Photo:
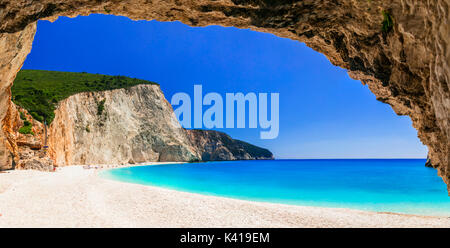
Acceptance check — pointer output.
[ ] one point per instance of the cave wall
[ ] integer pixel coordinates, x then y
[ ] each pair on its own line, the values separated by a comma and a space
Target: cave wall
404, 64
14, 48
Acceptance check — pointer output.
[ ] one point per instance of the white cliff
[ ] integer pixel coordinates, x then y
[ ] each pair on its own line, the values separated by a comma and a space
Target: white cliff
136, 125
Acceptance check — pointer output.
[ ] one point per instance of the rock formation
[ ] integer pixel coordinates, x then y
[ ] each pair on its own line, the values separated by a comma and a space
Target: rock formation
28, 151
133, 125
14, 47
136, 125
217, 146
400, 49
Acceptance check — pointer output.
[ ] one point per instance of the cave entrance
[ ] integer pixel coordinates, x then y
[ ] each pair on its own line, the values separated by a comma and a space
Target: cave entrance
323, 113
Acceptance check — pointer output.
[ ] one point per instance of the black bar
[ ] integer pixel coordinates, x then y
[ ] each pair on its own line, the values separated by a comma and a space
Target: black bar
227, 237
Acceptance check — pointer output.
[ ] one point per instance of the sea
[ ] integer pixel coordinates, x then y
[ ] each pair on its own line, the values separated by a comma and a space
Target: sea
381, 185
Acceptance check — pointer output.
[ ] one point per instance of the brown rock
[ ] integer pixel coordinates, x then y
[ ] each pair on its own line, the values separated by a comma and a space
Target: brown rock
32, 146
45, 164
26, 149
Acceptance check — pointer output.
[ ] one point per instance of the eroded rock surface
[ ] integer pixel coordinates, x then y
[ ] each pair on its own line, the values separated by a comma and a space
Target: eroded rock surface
14, 47
404, 64
27, 150
136, 125
218, 146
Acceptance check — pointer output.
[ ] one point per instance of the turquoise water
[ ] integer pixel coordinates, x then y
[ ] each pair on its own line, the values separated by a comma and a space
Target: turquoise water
391, 185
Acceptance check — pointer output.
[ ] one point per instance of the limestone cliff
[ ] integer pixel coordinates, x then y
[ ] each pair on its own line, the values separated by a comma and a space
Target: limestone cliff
134, 125
400, 49
216, 146
131, 125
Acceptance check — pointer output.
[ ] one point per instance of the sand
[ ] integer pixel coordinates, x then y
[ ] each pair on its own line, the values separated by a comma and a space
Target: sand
78, 197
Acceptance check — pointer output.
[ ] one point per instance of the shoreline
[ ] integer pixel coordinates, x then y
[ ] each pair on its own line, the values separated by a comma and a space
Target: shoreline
77, 197
247, 200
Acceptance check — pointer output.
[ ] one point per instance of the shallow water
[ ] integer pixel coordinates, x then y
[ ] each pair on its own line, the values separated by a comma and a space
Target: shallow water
385, 185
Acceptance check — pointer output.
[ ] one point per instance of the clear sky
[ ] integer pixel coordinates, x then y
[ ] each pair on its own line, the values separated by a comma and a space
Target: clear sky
323, 113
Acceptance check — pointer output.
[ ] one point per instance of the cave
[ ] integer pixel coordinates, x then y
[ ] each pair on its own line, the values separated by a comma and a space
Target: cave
400, 49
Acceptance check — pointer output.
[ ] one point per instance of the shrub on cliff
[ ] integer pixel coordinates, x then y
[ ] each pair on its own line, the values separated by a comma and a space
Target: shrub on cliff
101, 107
388, 22
26, 128
22, 116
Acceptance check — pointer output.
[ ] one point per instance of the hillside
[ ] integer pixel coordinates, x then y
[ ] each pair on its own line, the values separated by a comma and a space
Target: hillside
216, 146
40, 91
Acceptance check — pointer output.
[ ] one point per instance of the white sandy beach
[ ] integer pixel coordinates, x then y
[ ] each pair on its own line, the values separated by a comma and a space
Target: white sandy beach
77, 197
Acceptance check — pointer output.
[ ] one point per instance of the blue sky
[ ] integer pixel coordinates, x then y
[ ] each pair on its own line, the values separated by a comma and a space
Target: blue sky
323, 113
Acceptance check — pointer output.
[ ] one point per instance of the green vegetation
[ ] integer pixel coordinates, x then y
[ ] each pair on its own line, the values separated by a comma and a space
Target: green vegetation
388, 22
40, 91
27, 128
22, 116
101, 107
